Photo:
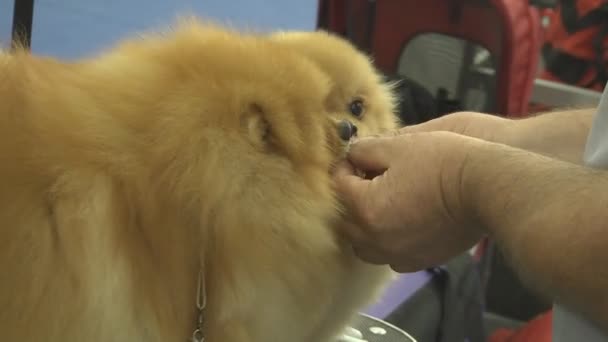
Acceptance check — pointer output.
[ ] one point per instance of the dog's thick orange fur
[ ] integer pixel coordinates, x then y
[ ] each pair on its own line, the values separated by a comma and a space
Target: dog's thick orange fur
121, 175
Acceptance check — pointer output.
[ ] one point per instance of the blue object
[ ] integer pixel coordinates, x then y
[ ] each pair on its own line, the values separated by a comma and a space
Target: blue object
78, 28
398, 292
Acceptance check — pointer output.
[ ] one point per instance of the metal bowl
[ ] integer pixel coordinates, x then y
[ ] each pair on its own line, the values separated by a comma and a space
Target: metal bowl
376, 330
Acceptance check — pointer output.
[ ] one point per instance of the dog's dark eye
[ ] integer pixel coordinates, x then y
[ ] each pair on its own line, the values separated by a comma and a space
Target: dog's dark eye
356, 108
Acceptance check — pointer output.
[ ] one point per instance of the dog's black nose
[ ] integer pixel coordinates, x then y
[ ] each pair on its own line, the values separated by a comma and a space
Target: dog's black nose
346, 130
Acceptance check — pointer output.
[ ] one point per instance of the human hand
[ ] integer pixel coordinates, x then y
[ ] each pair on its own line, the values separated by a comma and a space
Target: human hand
412, 215
477, 125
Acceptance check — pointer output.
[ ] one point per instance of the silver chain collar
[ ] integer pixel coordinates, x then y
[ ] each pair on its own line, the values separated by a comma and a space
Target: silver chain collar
201, 302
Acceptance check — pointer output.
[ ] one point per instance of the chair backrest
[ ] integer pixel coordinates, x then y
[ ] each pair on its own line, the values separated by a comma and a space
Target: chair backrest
484, 53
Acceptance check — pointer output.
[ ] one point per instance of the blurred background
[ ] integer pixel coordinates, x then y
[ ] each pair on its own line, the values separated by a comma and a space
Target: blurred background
75, 28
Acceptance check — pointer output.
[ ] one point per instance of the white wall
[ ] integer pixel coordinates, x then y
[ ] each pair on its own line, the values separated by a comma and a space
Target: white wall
76, 28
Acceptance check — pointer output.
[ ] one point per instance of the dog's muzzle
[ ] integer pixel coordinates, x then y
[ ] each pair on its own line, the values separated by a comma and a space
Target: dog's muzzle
346, 130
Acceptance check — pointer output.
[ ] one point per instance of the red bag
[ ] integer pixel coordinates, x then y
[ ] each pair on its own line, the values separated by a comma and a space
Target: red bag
575, 46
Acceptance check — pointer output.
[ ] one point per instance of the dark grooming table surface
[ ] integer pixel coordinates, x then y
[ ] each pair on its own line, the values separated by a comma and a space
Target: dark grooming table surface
376, 330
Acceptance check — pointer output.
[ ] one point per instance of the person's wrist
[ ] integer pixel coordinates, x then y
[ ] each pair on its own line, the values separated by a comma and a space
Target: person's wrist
473, 176
487, 127
457, 184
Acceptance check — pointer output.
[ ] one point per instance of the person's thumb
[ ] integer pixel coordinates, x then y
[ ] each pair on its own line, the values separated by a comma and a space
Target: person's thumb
373, 155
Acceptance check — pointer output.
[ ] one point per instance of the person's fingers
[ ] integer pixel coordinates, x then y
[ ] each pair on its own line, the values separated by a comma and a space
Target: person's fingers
351, 231
345, 173
428, 126
343, 168
370, 256
456, 122
372, 154
404, 267
353, 189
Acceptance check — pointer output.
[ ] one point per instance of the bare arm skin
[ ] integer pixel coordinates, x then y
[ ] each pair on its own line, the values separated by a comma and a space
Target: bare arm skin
560, 135
550, 218
437, 193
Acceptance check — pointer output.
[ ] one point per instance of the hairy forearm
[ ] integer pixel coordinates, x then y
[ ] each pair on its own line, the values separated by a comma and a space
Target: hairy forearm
549, 217
560, 135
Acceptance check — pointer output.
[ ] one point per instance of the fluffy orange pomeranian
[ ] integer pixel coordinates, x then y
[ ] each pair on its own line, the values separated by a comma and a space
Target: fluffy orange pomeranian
179, 186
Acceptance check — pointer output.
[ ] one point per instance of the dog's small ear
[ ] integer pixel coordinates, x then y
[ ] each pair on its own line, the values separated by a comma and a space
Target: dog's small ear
256, 125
